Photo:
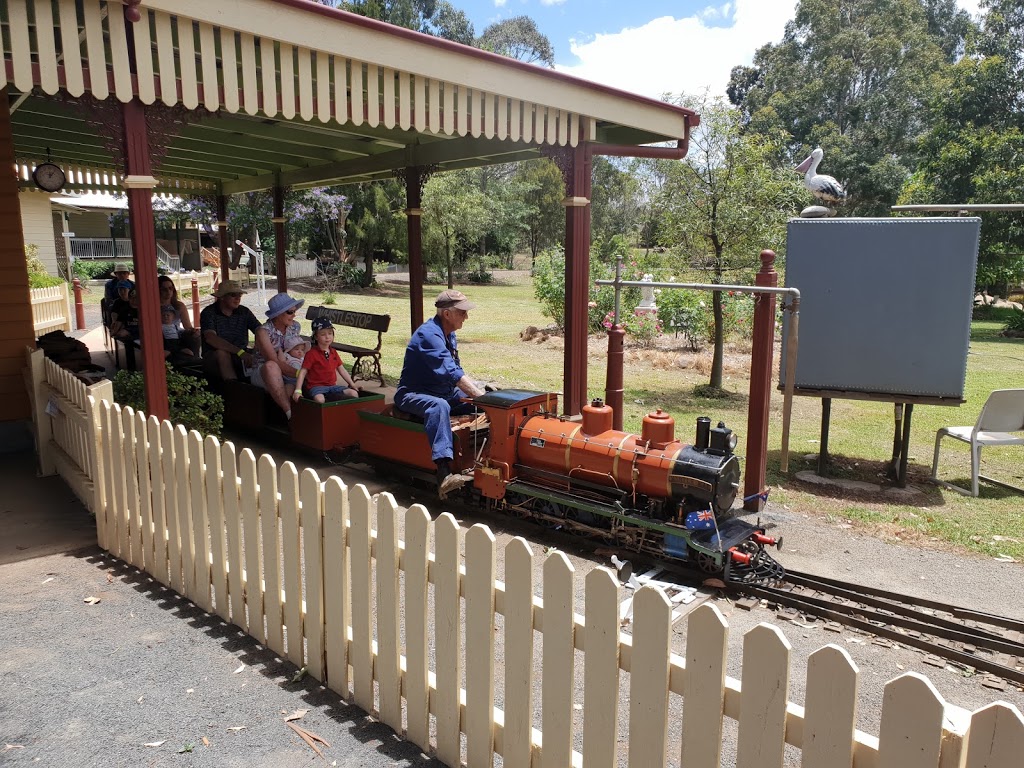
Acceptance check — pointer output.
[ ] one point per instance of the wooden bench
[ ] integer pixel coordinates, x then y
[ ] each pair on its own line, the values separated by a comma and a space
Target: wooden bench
367, 360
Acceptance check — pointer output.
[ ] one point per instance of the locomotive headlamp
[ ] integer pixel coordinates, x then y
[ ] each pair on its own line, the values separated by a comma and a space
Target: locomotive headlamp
723, 441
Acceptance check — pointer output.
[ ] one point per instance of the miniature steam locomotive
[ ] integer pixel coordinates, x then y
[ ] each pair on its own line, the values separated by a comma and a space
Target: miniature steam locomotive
646, 493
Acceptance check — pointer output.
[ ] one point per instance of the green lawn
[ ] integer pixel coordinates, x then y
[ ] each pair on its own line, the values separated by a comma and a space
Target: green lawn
861, 432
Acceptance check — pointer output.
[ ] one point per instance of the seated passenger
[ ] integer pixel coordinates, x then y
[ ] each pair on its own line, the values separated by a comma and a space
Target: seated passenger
271, 371
433, 383
121, 273
169, 297
124, 313
322, 371
295, 349
174, 348
124, 321
225, 326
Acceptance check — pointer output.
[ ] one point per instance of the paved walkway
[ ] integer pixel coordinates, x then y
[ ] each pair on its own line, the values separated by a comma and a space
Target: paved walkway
142, 677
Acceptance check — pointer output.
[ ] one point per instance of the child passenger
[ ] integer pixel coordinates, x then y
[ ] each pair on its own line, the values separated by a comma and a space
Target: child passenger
295, 349
322, 372
174, 350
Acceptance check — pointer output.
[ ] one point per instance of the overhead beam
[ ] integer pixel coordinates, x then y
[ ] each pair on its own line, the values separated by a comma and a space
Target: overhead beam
438, 153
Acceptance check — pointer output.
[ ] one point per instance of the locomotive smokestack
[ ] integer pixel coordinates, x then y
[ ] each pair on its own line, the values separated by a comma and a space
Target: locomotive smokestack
703, 433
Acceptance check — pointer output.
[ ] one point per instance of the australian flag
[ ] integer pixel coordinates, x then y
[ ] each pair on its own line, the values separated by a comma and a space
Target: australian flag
700, 521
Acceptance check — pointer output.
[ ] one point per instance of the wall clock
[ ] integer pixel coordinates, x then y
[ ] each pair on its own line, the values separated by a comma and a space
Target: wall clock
48, 176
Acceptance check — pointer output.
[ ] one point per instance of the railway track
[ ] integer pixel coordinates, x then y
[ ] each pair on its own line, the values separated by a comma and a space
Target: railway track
974, 639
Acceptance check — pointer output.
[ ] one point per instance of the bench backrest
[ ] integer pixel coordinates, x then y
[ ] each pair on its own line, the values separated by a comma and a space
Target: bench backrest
351, 319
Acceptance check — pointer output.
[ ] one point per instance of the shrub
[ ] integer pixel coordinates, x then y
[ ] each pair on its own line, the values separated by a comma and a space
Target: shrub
327, 298
644, 328
38, 277
549, 284
93, 270
190, 402
1015, 324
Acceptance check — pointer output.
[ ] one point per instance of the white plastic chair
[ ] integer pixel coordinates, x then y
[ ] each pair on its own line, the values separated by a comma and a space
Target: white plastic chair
1002, 414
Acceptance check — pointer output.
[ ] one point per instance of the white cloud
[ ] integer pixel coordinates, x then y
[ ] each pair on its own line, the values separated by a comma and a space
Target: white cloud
500, 3
668, 55
551, 2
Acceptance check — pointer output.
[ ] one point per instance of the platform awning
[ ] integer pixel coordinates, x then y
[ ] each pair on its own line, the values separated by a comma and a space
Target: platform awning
250, 94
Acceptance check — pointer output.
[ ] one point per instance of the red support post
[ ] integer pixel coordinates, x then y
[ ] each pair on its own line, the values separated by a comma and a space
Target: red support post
139, 182
413, 219
79, 306
760, 385
613, 379
577, 279
222, 235
279, 241
195, 303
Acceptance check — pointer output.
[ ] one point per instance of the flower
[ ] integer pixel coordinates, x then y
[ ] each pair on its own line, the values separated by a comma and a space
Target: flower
592, 304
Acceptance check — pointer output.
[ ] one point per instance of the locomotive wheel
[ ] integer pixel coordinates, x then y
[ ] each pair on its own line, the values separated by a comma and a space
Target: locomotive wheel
706, 562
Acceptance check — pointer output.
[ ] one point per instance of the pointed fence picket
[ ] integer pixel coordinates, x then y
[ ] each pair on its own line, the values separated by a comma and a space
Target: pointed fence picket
298, 564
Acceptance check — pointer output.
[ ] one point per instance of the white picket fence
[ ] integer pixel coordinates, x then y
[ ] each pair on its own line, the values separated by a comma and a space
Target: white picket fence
183, 280
51, 309
296, 268
65, 420
317, 572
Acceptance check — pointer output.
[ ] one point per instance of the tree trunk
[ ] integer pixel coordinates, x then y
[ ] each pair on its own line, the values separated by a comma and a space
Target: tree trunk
368, 272
716, 358
448, 261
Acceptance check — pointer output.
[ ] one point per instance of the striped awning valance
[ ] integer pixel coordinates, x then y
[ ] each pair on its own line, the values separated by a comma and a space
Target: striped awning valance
266, 58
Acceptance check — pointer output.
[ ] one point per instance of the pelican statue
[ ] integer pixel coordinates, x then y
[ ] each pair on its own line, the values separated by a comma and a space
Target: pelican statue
822, 187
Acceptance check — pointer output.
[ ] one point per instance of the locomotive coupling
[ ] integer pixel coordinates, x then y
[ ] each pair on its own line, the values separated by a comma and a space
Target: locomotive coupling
768, 541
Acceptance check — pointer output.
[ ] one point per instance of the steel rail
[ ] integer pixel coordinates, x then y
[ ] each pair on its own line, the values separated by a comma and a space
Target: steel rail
953, 654
807, 579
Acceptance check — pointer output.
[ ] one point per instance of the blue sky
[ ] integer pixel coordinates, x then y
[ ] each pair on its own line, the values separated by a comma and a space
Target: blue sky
650, 46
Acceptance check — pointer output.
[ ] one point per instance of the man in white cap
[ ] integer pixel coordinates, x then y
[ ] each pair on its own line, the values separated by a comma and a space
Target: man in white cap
225, 327
433, 384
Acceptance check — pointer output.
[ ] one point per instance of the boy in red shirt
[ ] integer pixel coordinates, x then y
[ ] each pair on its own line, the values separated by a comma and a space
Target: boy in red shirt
322, 370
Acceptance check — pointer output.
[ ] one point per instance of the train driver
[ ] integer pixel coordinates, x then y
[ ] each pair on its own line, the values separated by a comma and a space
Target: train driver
433, 383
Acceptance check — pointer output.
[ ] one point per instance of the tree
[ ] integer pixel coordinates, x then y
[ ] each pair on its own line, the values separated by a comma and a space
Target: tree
452, 24
455, 211
411, 14
972, 152
613, 200
854, 77
518, 38
376, 227
314, 219
543, 190
726, 202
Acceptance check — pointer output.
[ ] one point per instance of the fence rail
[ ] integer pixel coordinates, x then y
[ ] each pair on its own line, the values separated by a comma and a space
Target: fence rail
51, 309
317, 572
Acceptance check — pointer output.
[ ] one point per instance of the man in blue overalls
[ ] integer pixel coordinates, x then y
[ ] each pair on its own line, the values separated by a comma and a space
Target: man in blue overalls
433, 383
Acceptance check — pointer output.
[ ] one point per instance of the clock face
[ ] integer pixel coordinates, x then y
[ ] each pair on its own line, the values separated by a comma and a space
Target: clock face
49, 177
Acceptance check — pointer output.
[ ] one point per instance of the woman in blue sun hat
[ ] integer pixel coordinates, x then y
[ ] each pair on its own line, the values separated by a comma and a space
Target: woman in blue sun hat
277, 375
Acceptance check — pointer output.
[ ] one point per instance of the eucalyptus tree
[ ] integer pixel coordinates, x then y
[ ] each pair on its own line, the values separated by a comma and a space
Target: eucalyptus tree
455, 212
728, 200
376, 226
543, 191
518, 38
614, 200
974, 150
854, 77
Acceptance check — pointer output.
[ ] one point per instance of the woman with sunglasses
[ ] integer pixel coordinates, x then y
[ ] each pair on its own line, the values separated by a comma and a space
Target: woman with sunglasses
169, 298
276, 374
